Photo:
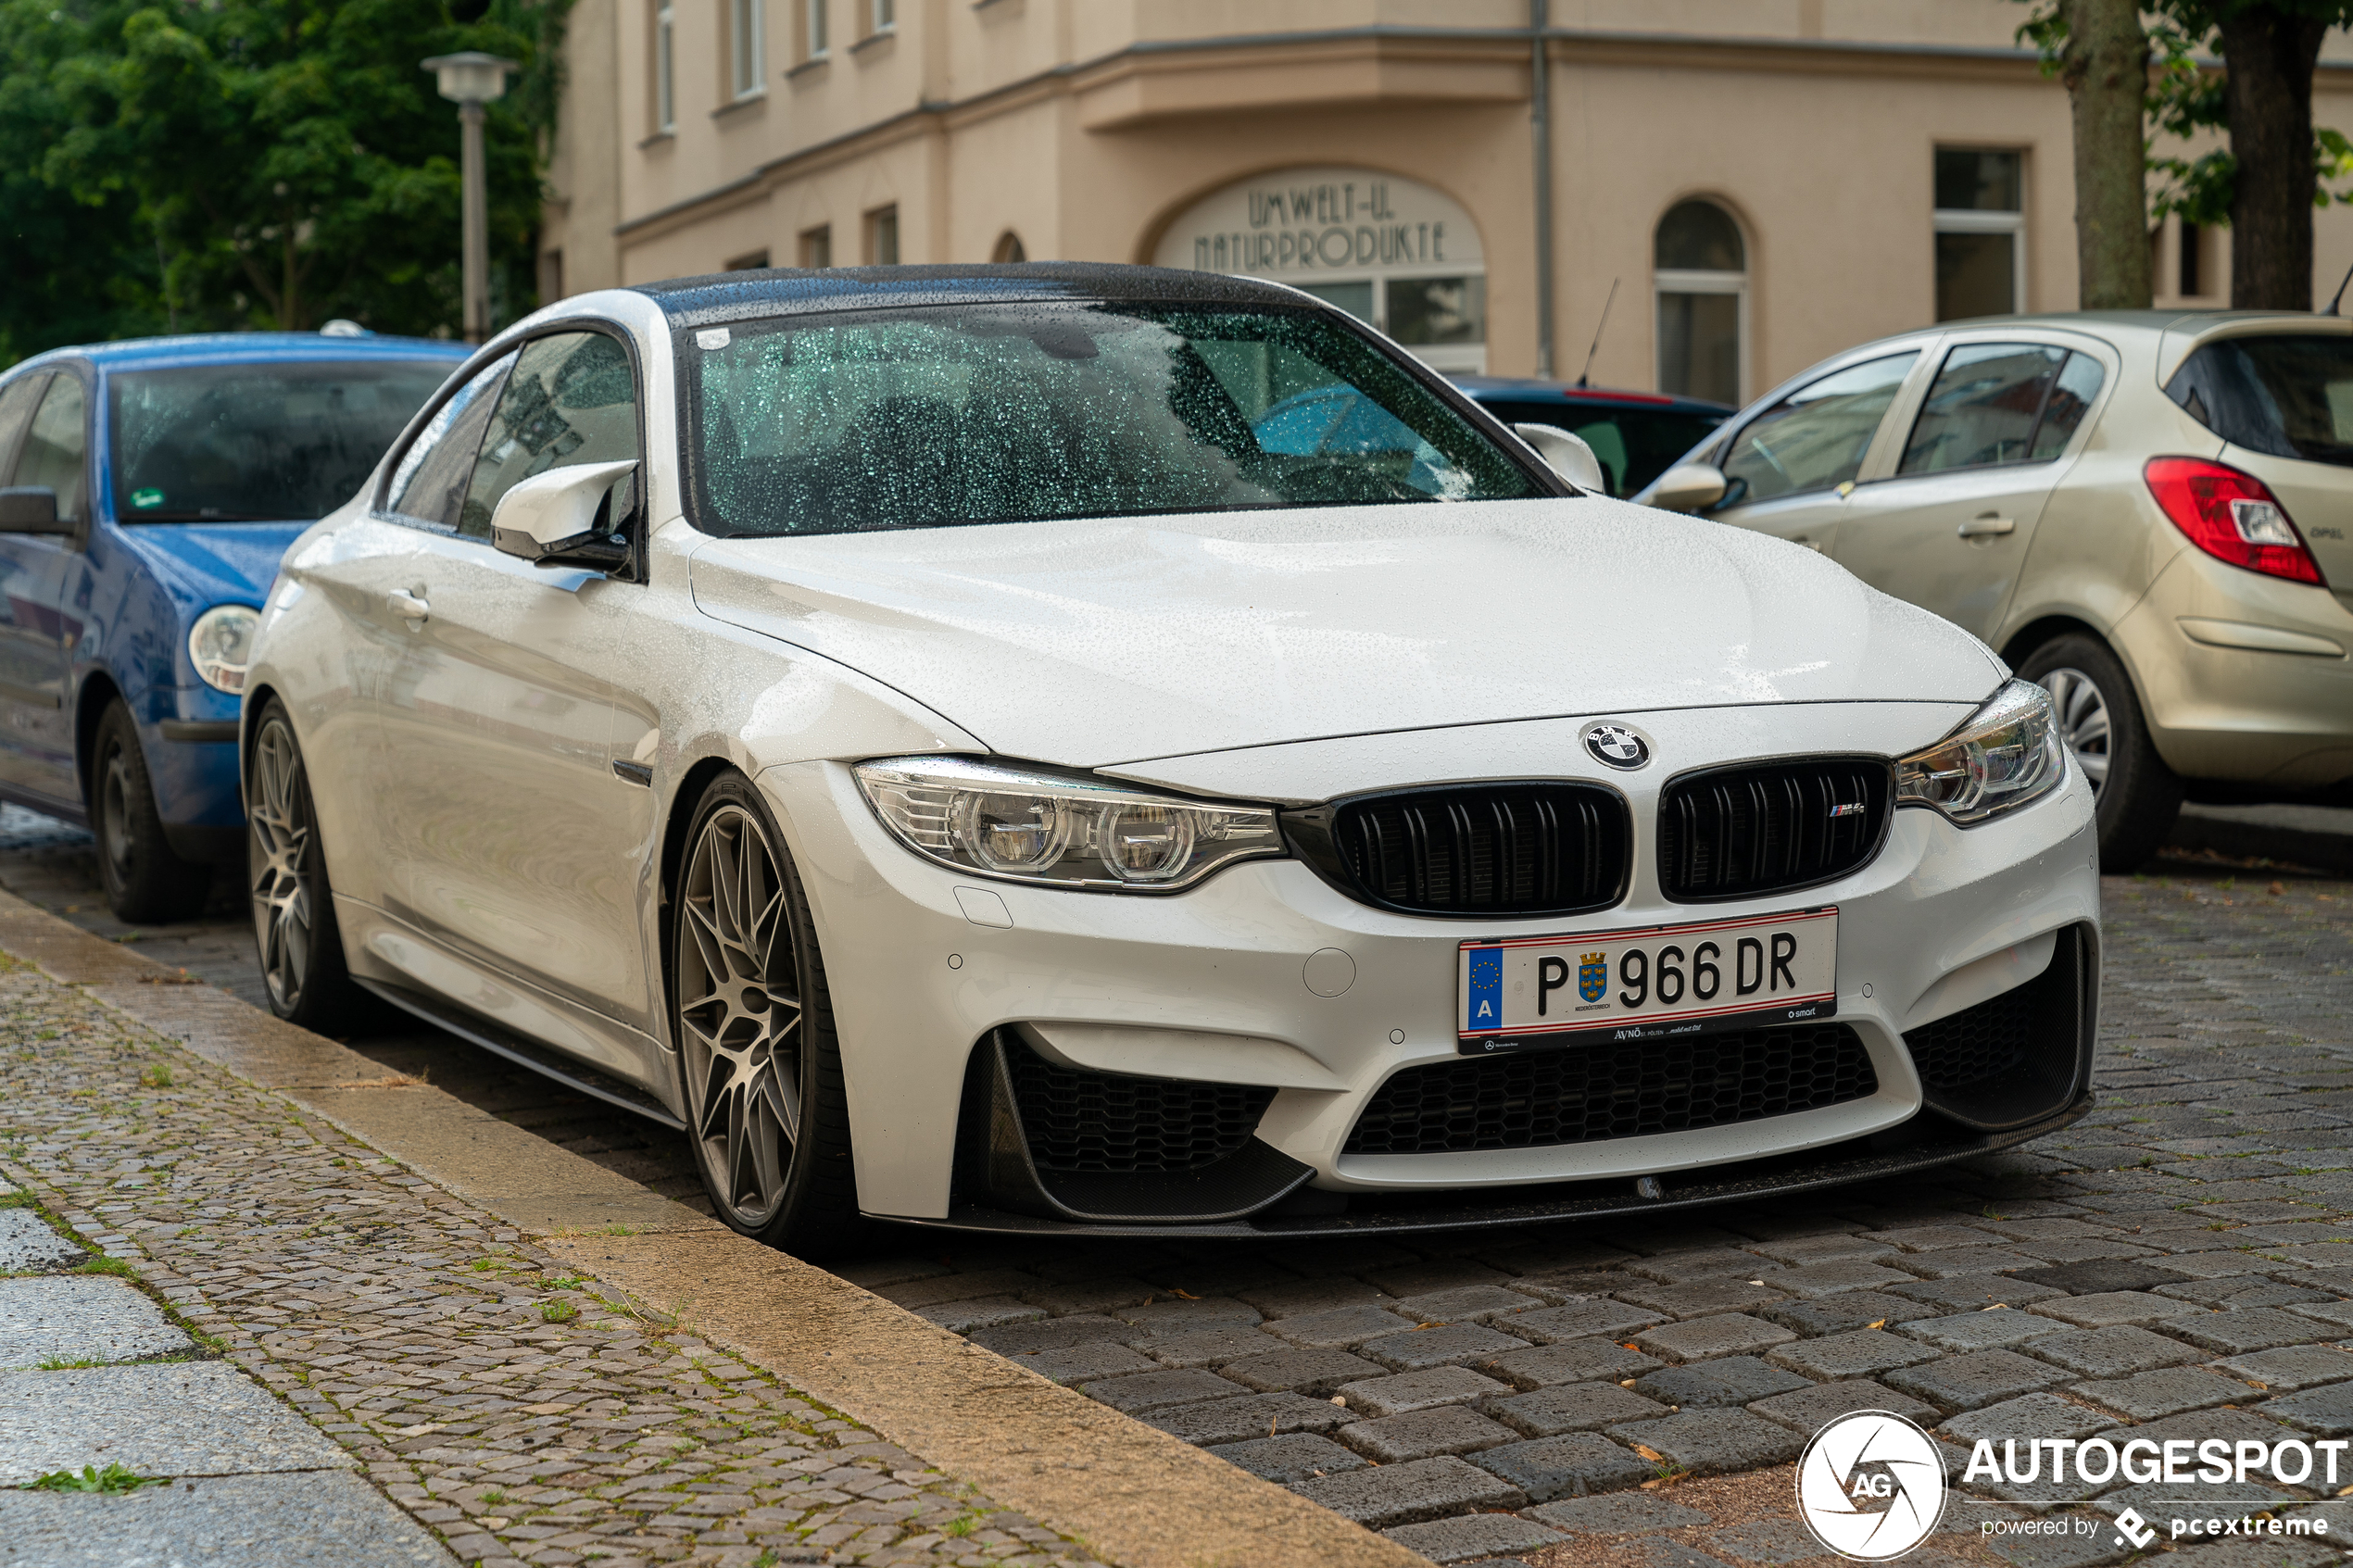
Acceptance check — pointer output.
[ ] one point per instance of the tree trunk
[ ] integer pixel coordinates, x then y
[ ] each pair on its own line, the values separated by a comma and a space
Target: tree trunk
2105, 66
2268, 95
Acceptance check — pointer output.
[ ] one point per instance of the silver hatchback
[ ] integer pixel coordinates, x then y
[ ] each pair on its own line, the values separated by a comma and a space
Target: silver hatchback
2145, 511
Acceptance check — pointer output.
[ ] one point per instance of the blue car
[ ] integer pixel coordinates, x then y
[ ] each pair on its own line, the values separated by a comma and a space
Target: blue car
1637, 435
147, 491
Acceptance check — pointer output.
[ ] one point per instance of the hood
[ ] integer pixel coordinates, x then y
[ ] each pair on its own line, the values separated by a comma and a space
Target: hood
208, 563
1088, 641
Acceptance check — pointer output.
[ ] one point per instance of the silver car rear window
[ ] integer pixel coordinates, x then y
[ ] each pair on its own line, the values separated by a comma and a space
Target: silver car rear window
2289, 394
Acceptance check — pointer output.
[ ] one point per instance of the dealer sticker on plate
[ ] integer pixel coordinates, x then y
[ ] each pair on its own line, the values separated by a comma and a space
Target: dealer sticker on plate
1651, 982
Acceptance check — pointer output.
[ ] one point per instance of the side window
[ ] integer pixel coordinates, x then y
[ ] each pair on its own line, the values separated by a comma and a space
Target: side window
1815, 438
16, 411
2070, 399
429, 484
53, 450
570, 400
1983, 408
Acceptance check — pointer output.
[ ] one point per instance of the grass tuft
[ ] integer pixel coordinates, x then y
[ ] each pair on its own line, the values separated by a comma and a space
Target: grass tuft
113, 1479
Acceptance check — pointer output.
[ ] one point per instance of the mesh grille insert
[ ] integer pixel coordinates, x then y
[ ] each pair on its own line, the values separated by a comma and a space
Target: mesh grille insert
1736, 832
1614, 1089
1978, 1043
1485, 849
1108, 1122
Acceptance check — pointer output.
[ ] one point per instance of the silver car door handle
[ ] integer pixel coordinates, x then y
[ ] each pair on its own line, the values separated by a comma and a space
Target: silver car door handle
408, 604
1982, 527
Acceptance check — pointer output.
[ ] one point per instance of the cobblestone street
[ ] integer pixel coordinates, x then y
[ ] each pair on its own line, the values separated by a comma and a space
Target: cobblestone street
2175, 1262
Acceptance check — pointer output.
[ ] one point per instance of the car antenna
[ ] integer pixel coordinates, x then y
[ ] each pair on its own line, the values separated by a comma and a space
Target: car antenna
1588, 370
2339, 294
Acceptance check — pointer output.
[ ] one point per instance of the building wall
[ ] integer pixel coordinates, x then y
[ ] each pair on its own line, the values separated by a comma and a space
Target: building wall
1086, 126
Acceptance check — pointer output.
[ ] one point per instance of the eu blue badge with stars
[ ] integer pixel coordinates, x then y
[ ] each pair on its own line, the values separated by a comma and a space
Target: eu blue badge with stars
1484, 1009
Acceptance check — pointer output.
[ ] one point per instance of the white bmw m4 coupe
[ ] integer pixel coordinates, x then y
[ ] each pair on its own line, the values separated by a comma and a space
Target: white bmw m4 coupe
1106, 750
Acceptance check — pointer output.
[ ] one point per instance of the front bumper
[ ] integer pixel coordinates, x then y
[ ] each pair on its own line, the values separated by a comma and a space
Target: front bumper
1213, 985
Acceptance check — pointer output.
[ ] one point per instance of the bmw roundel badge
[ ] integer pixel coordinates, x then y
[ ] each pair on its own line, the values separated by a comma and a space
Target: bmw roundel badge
1617, 746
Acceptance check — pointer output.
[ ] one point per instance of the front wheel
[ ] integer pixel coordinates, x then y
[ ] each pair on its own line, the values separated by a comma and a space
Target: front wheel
767, 1113
2100, 718
145, 883
294, 909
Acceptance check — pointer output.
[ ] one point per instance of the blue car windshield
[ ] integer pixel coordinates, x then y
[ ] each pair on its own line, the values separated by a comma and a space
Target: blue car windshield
999, 414
257, 441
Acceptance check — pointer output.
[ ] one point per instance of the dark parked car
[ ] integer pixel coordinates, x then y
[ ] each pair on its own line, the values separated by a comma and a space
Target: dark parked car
1636, 434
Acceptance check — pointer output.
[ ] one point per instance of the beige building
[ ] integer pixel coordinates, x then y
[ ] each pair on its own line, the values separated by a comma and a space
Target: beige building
1761, 183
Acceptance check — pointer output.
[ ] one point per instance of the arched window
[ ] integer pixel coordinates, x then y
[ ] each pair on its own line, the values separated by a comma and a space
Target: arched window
1700, 274
1009, 249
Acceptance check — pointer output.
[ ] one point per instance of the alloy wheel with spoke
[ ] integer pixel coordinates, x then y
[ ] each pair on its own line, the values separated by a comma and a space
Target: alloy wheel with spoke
2084, 720
741, 1014
284, 903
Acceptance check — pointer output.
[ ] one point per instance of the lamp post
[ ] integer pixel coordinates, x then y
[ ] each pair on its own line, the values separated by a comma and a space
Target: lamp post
472, 79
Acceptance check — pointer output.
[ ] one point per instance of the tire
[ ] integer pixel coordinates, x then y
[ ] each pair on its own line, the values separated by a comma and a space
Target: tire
293, 906
759, 1059
145, 883
2099, 717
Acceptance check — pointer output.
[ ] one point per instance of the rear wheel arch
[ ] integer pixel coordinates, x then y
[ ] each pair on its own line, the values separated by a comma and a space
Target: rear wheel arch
2049, 628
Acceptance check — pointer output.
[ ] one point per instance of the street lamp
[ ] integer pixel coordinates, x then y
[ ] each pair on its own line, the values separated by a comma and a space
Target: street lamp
472, 79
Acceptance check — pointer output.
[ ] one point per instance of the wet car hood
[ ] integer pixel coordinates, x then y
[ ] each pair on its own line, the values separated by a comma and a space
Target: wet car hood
1088, 641
203, 564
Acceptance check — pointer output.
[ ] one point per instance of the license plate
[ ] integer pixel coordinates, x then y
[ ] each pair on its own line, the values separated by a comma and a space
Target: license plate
1649, 982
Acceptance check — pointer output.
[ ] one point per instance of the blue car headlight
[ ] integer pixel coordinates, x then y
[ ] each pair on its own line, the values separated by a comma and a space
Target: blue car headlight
221, 643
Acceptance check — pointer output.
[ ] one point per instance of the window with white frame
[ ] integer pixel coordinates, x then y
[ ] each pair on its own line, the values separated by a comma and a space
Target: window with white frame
813, 29
747, 48
665, 73
1981, 233
882, 15
1700, 274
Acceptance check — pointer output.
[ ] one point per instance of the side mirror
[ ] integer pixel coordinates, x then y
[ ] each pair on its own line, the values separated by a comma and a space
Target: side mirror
31, 508
562, 518
1688, 488
1566, 456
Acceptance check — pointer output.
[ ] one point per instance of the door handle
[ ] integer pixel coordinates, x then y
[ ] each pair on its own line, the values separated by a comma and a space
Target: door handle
406, 604
1987, 526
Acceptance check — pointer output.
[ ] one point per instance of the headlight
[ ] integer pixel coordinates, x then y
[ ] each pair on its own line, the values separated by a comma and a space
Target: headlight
220, 643
1058, 831
2006, 755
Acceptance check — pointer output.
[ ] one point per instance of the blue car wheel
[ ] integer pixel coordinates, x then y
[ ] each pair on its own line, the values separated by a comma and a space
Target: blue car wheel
145, 883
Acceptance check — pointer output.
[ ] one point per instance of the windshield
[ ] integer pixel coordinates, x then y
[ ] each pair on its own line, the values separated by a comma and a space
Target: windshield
257, 442
2289, 396
924, 420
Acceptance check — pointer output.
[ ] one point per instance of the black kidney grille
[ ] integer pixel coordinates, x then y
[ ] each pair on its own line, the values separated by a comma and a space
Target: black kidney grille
1614, 1089
1976, 1043
1500, 850
1080, 1121
1735, 832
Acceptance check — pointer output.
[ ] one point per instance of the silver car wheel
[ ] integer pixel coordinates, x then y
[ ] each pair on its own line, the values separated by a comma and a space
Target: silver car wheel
2083, 720
278, 846
739, 1015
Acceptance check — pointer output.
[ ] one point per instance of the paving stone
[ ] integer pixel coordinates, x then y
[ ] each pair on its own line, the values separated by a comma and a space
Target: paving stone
1573, 1464
1450, 1429
1089, 1294
2101, 1278
1163, 1318
917, 1294
1571, 1360
1471, 1303
27, 1245
1730, 1380
1411, 1391
1847, 1310
1056, 1333
1287, 1461
1550, 1325
1711, 1440
1799, 1252
1990, 1329
2152, 1396
2070, 1550
2336, 1314
1560, 1287
1212, 1346
1622, 1513
171, 1418
1452, 1345
1698, 1263
1431, 1275
2241, 1291
1807, 1410
1571, 1406
81, 1318
2113, 1308
1767, 1540
1969, 1293
1703, 1300
986, 1312
2028, 1416
2197, 1427
1931, 1238
2165, 1500
2291, 1367
1474, 1537
1969, 1382
2326, 1412
2282, 1552
1252, 1415
1814, 1280
1408, 1493
1087, 1363
1337, 1330
1862, 1353
2239, 1330
1964, 1261
2109, 1352
1152, 1390
1730, 1334
1312, 1297
1665, 1552
1305, 1372
222, 1521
